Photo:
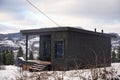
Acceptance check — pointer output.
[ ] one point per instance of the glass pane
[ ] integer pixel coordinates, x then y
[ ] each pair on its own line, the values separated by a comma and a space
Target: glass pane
46, 52
59, 51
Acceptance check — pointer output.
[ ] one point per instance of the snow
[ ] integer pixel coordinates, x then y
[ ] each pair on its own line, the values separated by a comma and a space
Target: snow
9, 73
21, 58
8, 43
34, 42
36, 45
117, 67
34, 39
12, 72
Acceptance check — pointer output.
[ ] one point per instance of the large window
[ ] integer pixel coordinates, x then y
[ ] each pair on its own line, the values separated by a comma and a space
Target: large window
59, 49
47, 50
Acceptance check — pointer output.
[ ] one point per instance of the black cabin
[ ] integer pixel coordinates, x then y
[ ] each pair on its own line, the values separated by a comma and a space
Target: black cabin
72, 48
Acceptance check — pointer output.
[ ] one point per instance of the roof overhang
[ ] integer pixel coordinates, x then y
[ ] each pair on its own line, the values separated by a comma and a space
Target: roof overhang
58, 29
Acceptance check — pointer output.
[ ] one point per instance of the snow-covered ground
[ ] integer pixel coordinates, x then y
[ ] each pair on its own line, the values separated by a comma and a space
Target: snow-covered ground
13, 73
9, 73
8, 43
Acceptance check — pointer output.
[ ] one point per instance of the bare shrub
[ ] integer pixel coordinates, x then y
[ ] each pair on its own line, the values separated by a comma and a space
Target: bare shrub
92, 72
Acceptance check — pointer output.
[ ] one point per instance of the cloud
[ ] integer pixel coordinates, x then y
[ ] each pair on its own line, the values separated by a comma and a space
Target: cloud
10, 10
85, 13
7, 28
90, 8
99, 9
3, 27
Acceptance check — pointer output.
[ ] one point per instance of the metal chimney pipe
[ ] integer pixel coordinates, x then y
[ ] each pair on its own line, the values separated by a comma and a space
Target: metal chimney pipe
95, 29
102, 31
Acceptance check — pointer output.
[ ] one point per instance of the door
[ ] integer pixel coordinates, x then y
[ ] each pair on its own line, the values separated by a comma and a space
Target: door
45, 47
47, 50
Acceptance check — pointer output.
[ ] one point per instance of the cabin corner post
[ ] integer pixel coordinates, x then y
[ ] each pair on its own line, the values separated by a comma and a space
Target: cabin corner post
39, 46
26, 47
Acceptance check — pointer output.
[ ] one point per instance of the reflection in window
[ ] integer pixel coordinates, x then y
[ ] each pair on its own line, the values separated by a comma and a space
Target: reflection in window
46, 50
59, 49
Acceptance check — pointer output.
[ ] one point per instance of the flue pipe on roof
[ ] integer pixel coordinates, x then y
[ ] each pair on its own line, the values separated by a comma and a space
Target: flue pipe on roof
95, 29
102, 30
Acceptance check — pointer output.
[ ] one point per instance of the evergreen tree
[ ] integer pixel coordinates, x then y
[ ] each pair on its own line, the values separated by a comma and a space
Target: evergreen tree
118, 53
113, 57
4, 56
31, 55
1, 58
20, 52
10, 58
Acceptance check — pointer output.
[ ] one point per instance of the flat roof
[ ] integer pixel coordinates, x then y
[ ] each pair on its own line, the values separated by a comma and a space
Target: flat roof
57, 29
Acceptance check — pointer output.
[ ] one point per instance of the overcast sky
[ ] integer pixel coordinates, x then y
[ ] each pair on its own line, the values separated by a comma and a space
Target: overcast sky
16, 15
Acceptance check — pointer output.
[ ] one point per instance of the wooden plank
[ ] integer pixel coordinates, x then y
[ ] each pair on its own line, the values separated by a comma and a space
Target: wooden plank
40, 62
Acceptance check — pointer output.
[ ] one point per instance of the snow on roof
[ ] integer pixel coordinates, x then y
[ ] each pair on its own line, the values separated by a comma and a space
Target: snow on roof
21, 58
36, 45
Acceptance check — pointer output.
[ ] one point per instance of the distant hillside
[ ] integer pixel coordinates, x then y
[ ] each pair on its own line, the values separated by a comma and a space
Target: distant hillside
11, 36
115, 40
17, 39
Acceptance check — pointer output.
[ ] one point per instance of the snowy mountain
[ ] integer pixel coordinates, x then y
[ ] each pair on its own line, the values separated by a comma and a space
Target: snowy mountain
115, 40
15, 40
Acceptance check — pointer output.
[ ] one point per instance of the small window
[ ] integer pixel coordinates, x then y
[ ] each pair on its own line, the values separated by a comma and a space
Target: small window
59, 49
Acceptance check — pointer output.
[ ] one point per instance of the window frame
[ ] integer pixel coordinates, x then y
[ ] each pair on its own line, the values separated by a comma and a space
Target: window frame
63, 48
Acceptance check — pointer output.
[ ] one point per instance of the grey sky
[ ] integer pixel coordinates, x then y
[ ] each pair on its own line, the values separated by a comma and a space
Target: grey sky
89, 14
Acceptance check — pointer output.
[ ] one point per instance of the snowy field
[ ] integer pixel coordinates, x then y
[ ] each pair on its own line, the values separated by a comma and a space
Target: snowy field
13, 73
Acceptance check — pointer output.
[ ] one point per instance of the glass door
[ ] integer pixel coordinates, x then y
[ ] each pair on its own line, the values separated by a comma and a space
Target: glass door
47, 50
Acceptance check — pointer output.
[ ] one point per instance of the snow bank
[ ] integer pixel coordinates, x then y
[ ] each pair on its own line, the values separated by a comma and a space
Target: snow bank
116, 66
9, 73
13, 73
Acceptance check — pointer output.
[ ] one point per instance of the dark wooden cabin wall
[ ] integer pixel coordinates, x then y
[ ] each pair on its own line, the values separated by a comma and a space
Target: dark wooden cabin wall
60, 63
88, 50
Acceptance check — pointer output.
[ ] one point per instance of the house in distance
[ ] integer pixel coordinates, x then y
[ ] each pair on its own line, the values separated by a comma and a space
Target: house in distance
72, 48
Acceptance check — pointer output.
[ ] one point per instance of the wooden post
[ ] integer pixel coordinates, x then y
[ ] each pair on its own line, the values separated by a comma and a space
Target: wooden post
39, 47
26, 47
